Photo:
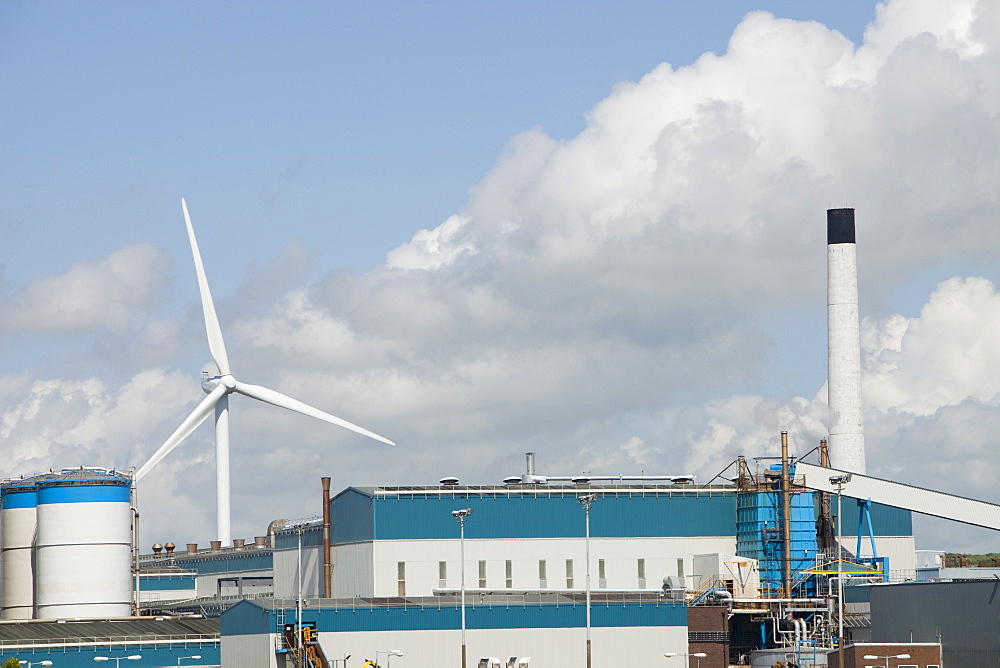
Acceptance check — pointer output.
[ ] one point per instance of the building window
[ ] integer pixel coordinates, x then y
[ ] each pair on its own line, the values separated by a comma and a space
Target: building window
680, 568
569, 574
401, 578
508, 574
641, 572
482, 575
442, 574
602, 579
542, 579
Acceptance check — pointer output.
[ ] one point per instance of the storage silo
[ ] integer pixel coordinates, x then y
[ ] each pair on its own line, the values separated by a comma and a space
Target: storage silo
17, 534
83, 548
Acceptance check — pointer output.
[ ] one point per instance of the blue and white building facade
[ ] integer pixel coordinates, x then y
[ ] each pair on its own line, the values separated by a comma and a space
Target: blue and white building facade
404, 541
550, 630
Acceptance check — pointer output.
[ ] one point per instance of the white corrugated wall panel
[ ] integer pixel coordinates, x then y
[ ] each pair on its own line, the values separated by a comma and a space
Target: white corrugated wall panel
620, 561
248, 651
547, 647
353, 573
286, 572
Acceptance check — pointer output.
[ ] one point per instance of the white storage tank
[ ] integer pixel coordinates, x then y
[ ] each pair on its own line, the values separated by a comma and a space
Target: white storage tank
17, 533
83, 547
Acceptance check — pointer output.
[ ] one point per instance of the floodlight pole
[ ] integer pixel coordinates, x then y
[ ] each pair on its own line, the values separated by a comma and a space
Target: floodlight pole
587, 500
840, 481
460, 515
298, 601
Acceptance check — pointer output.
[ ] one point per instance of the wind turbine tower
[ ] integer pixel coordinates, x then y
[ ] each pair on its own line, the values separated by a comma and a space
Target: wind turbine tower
218, 388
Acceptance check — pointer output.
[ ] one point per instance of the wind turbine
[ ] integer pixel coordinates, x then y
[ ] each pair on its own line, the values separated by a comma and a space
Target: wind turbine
218, 389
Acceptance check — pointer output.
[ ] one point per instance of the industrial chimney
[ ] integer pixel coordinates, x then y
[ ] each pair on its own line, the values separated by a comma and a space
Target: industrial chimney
847, 438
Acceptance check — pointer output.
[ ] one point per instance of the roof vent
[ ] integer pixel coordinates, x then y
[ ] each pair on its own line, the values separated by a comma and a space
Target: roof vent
449, 480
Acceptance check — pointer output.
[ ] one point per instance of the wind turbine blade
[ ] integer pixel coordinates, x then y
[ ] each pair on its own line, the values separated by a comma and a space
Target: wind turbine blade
279, 399
215, 342
191, 423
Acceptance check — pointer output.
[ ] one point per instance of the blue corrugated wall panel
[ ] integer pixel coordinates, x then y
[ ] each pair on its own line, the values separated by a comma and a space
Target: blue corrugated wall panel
541, 515
247, 618
886, 520
352, 514
233, 562
287, 538
166, 582
153, 656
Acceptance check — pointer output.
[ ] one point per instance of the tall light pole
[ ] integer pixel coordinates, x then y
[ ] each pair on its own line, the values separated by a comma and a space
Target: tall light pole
389, 653
587, 500
840, 481
181, 658
891, 656
298, 601
698, 655
461, 514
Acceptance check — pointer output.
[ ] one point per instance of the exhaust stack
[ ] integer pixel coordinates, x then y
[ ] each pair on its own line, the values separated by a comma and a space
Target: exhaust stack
847, 438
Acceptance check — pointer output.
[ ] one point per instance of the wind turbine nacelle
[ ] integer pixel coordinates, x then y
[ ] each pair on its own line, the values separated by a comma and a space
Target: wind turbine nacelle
209, 383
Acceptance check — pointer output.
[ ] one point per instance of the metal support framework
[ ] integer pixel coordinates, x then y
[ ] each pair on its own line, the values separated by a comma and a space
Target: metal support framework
898, 495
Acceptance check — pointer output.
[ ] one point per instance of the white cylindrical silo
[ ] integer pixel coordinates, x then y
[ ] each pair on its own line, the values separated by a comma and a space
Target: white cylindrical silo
17, 534
847, 437
83, 548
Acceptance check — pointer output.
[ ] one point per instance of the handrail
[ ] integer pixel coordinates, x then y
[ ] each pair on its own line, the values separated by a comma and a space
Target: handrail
114, 639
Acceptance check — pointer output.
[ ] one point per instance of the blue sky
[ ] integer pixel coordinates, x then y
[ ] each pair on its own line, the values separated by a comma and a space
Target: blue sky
492, 227
346, 124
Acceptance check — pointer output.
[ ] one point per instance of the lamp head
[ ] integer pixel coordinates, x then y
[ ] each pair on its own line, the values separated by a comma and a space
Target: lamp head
463, 512
840, 479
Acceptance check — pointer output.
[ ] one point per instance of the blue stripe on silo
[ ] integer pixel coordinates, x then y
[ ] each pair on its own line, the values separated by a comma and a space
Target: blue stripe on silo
85, 494
550, 515
20, 499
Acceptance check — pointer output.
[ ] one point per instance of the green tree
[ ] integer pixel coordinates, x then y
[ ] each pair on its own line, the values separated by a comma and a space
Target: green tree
12, 662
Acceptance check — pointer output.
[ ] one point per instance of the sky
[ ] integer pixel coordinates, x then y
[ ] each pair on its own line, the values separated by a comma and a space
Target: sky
593, 231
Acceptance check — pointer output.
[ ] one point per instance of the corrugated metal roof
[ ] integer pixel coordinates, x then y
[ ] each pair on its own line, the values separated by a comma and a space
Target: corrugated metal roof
148, 628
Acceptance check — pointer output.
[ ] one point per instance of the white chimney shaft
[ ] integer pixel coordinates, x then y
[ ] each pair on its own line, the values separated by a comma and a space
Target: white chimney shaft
847, 438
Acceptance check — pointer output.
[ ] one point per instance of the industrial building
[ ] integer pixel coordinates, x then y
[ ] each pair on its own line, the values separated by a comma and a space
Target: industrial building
667, 562
537, 571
